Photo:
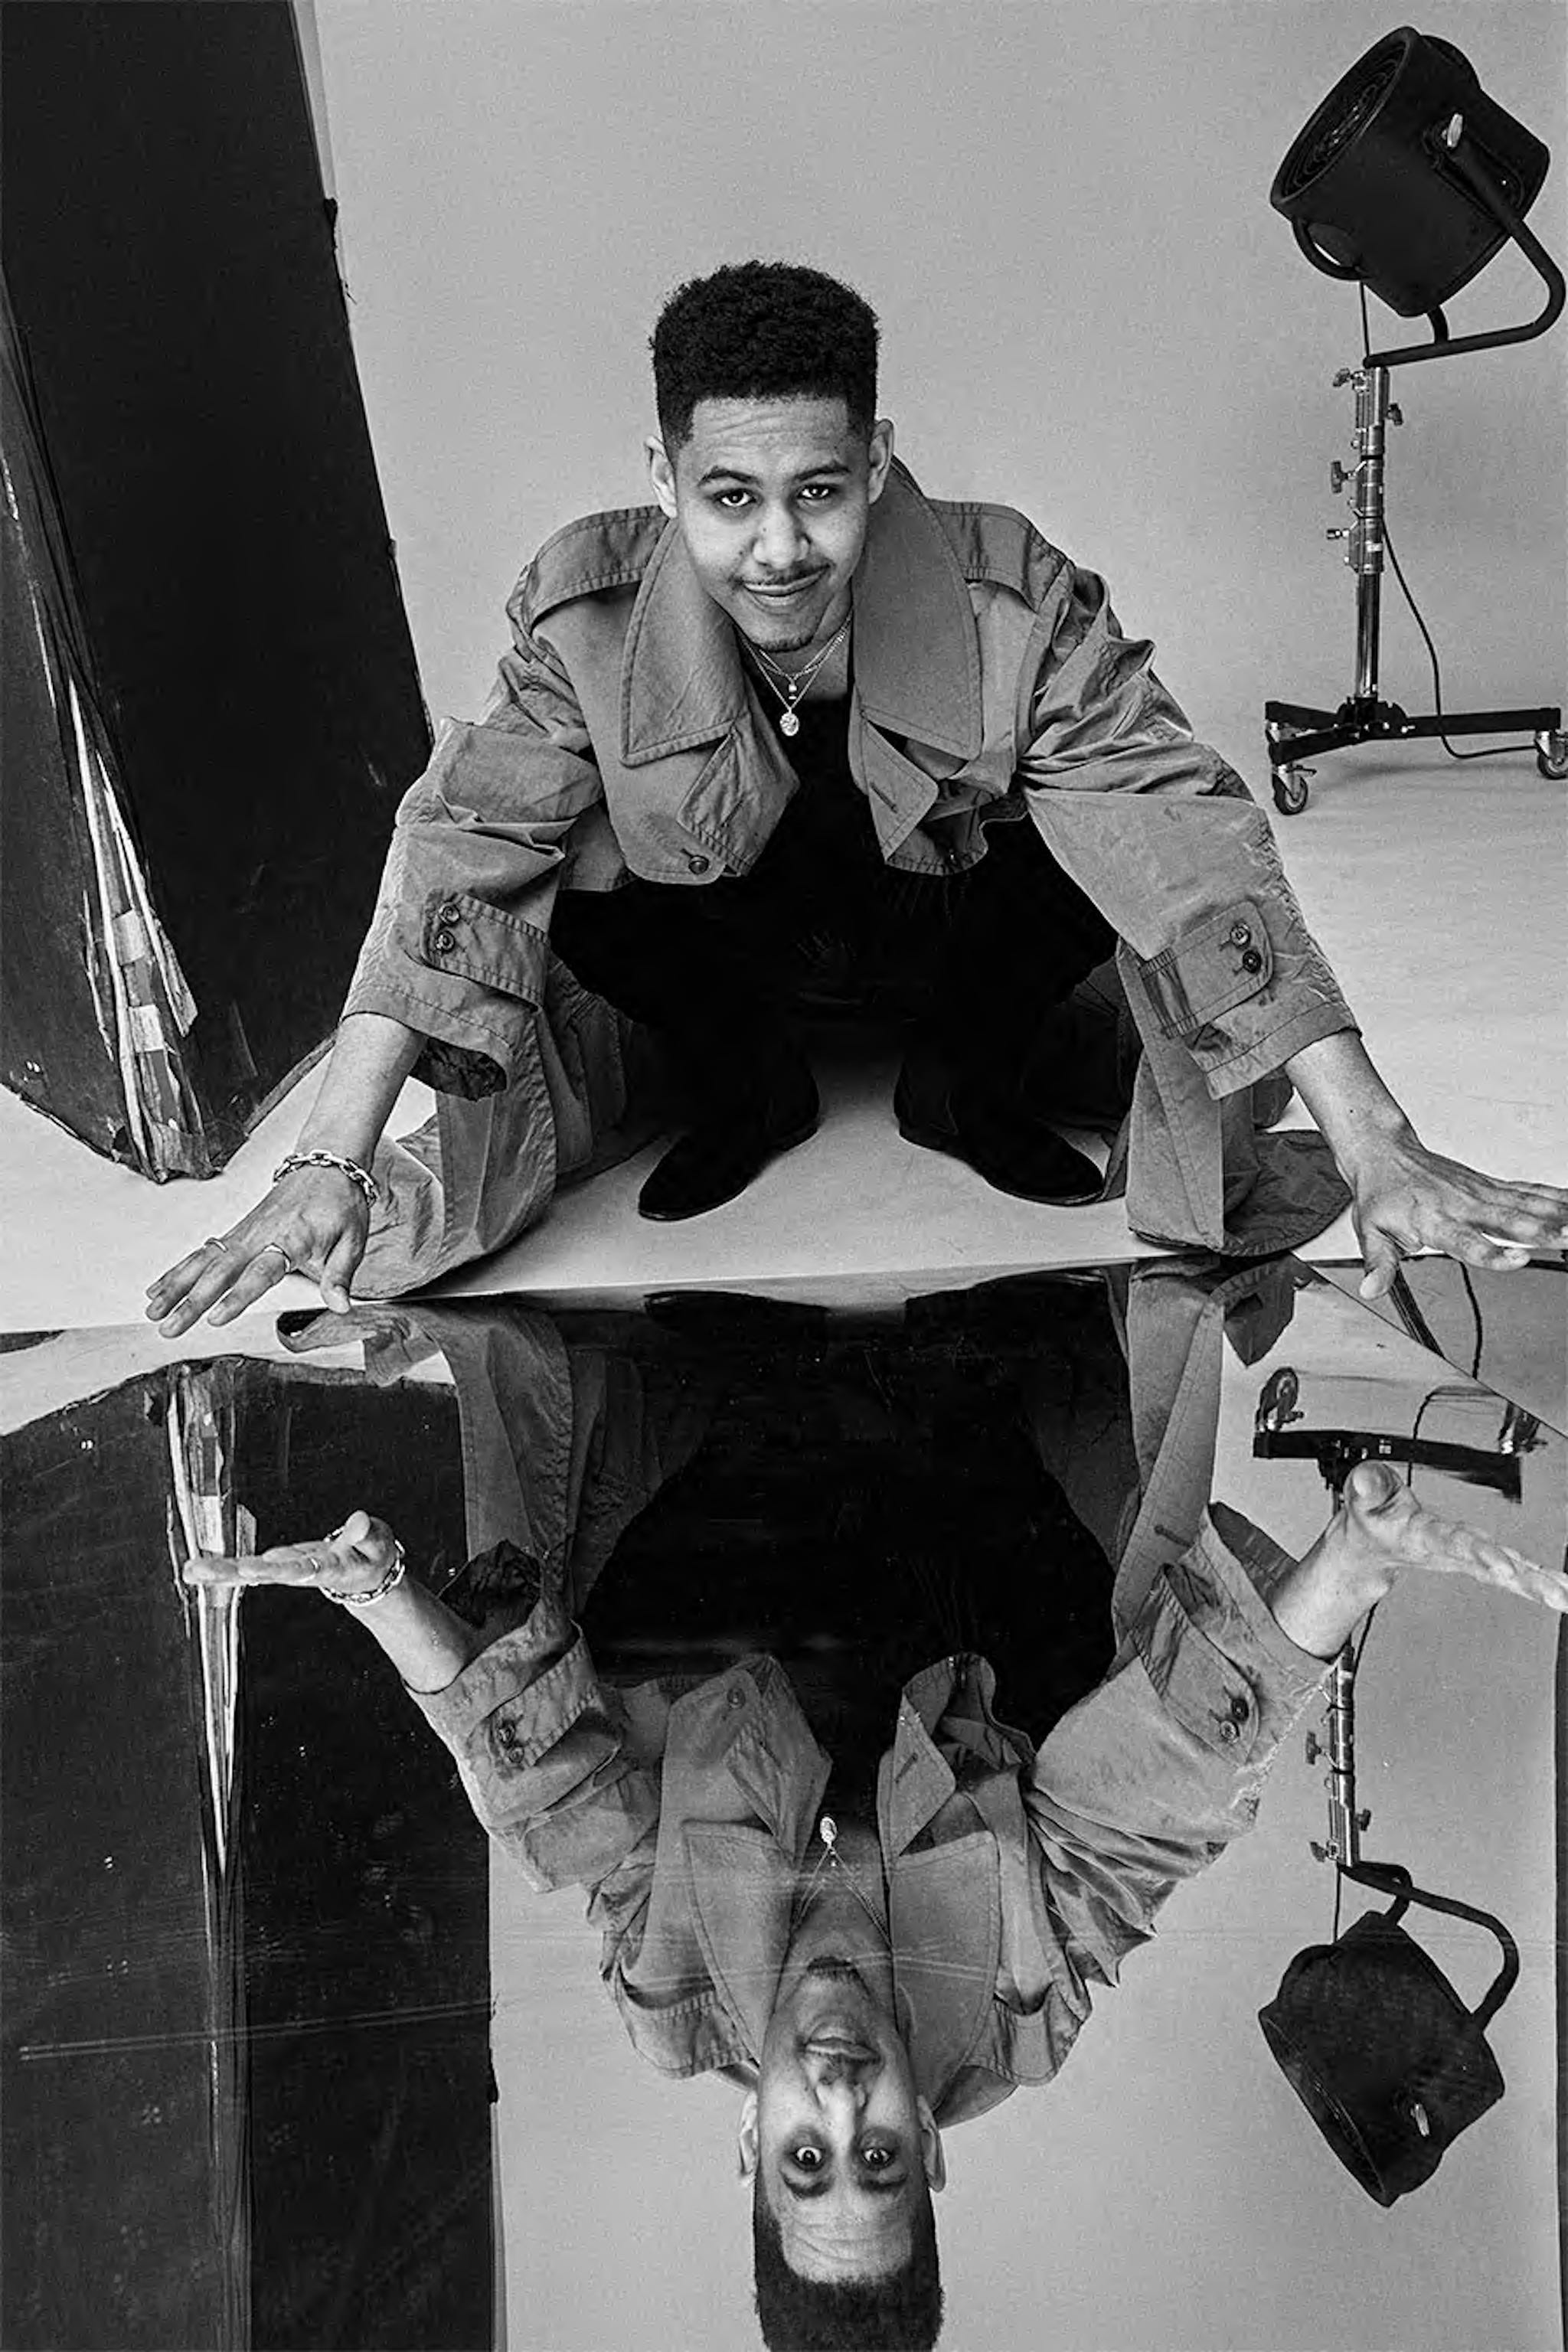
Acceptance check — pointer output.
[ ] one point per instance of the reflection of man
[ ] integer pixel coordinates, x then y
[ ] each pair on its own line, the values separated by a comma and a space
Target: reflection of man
873, 1975
796, 699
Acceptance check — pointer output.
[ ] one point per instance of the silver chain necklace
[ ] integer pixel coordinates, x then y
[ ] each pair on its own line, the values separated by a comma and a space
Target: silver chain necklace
832, 1863
790, 685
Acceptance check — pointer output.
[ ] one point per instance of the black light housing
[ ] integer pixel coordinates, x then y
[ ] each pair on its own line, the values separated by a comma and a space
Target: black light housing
1370, 184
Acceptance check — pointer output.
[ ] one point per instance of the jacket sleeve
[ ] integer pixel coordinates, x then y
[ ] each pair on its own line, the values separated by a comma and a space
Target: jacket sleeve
1170, 845
1147, 1780
552, 1764
456, 948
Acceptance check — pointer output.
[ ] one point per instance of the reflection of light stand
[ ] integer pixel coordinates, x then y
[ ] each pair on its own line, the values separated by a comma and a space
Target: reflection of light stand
1336, 1453
1386, 2058
1296, 731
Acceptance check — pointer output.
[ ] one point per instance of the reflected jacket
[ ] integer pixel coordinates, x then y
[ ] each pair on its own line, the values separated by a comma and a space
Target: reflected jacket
991, 682
1018, 1879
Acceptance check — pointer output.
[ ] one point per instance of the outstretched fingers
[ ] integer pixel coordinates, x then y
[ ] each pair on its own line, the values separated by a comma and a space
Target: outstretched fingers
225, 1275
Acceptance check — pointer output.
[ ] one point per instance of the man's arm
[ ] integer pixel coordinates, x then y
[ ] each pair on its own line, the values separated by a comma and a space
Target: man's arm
1148, 1780
1223, 952
448, 983
545, 1754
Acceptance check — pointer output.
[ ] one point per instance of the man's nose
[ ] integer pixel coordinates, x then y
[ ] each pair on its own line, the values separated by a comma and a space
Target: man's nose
780, 541
842, 2080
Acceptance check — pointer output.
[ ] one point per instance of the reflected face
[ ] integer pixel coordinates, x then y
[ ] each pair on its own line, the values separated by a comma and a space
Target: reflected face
772, 498
844, 2142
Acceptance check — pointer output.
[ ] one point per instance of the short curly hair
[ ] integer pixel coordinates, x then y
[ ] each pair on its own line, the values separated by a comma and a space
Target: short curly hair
900, 2312
761, 330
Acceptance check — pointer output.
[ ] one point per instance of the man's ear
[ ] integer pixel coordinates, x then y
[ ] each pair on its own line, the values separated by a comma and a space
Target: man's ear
661, 472
932, 2155
881, 458
746, 2137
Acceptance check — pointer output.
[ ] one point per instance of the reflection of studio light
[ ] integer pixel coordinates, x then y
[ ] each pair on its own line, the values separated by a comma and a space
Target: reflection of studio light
1379, 2047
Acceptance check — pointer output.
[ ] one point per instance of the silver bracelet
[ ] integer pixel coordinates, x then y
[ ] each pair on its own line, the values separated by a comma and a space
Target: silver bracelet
350, 1168
393, 1578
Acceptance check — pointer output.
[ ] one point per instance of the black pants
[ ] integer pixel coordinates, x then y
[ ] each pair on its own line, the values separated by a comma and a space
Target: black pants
975, 959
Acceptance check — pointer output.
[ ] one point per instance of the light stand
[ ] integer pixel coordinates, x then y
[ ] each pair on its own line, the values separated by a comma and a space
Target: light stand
1389, 185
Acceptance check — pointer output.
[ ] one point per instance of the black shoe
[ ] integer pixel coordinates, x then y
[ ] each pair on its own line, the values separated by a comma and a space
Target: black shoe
718, 1159
1006, 1146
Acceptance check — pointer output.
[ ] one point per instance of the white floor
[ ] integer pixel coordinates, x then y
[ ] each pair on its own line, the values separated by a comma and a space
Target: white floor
1437, 892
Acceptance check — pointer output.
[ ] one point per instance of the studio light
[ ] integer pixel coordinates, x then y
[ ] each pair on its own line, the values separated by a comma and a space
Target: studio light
1406, 180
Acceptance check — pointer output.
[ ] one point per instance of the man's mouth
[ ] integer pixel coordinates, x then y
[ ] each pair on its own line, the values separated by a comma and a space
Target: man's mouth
781, 592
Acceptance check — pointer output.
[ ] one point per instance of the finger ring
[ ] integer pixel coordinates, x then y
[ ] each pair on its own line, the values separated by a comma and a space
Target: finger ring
281, 1252
212, 1242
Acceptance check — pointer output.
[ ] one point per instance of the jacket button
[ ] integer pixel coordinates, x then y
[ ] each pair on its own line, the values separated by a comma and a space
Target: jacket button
735, 1697
506, 1733
446, 941
1229, 1733
1252, 960
1240, 933
451, 912
698, 864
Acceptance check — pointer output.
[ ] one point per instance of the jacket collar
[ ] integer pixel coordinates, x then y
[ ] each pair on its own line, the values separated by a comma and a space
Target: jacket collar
917, 657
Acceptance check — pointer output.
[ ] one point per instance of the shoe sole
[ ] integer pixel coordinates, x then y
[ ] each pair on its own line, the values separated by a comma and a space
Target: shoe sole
787, 1142
937, 1139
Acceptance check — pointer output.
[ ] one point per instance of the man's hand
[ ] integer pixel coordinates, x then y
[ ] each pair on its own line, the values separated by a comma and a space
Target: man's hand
354, 1558
1408, 1199
1379, 1534
315, 1222
426, 1641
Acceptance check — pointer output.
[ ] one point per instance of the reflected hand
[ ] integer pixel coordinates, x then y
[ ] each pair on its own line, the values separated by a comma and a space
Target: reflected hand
355, 1558
1389, 1534
1408, 1199
315, 1222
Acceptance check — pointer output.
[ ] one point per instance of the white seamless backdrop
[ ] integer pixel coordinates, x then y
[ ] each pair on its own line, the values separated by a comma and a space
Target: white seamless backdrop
1059, 210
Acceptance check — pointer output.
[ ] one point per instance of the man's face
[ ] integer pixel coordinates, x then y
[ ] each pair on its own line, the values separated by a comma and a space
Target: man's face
772, 497
844, 2142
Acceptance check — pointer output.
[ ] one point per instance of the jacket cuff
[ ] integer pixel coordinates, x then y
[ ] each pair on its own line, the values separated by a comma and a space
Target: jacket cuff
1241, 997
1213, 1650
460, 973
519, 1693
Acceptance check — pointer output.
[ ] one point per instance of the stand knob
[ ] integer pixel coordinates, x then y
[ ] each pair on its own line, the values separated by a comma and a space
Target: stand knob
1395, 414
1336, 534
1338, 476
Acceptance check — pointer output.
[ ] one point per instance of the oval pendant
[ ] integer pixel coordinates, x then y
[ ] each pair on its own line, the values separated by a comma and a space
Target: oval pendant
789, 724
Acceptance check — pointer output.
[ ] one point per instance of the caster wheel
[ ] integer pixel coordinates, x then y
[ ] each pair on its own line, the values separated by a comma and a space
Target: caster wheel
1551, 753
1277, 1405
1291, 790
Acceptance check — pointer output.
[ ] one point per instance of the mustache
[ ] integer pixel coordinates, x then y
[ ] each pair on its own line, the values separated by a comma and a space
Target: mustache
832, 1968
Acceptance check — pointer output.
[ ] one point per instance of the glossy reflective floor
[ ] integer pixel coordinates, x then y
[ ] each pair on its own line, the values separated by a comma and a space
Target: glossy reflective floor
292, 2057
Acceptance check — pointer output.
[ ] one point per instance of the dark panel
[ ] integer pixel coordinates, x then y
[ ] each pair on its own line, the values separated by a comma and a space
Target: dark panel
248, 2105
111, 1995
56, 1052
171, 261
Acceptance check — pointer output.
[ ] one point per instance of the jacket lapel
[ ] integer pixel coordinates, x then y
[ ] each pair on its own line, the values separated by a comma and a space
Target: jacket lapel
917, 656
743, 1886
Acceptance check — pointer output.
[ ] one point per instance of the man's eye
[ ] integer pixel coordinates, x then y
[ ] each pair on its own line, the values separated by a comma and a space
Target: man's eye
808, 2159
732, 500
878, 2159
820, 492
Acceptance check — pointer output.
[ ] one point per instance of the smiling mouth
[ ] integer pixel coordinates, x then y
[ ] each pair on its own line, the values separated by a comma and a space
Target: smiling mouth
783, 594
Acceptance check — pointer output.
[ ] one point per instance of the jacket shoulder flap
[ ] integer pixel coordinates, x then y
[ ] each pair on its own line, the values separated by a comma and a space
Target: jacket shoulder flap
597, 553
1000, 546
